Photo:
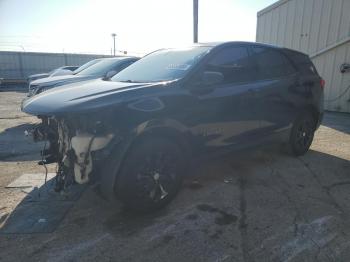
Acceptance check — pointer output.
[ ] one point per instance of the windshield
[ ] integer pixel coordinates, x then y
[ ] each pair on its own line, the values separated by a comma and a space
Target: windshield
86, 65
52, 71
100, 68
162, 65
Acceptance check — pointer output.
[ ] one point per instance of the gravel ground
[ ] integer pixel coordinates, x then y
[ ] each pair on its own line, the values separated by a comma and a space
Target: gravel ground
252, 206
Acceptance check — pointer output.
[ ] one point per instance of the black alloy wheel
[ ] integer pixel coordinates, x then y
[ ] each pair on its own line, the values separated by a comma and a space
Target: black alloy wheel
151, 175
302, 134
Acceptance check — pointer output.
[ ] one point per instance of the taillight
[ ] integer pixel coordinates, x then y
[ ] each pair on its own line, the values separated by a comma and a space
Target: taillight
323, 83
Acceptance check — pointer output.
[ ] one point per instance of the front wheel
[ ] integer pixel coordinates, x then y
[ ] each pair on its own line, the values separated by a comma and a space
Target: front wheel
302, 134
151, 174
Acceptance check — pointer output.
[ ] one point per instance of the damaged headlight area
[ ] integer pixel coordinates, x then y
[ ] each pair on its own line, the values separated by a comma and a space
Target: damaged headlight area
73, 143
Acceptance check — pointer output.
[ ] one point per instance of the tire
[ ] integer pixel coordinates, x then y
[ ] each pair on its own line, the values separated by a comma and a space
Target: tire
151, 175
302, 134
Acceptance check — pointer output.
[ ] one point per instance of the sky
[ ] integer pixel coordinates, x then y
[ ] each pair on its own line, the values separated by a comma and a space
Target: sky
142, 26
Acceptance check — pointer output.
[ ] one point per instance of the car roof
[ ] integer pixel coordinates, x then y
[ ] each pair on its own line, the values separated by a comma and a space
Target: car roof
217, 44
228, 43
120, 58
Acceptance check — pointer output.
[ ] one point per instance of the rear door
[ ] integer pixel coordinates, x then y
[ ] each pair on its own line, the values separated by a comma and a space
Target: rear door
278, 82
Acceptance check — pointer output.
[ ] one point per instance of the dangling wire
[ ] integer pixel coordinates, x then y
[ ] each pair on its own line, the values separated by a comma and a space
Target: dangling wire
43, 162
339, 96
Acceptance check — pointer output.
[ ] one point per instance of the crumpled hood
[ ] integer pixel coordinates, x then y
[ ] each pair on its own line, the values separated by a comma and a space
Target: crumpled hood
63, 79
79, 97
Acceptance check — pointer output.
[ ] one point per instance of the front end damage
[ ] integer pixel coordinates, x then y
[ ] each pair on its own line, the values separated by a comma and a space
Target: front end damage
76, 144
82, 130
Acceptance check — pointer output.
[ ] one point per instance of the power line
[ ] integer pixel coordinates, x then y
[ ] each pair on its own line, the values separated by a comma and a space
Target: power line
339, 96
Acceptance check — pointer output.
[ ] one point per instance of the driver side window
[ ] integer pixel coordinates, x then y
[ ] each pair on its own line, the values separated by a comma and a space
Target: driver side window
234, 63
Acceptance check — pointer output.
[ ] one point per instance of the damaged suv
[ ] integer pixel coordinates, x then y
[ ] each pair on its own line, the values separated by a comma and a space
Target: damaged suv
136, 133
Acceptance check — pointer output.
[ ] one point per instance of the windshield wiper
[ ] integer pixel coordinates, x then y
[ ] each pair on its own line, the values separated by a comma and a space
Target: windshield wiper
129, 81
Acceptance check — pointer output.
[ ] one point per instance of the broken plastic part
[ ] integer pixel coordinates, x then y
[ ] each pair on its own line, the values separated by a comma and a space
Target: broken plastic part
83, 144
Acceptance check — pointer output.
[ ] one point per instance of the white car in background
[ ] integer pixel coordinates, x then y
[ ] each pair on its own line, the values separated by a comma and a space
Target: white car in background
64, 70
103, 68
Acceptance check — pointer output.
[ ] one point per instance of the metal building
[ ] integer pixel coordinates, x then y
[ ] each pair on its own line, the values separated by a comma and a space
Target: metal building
19, 65
320, 28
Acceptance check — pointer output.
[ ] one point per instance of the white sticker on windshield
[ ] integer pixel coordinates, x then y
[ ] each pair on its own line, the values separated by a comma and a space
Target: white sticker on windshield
178, 67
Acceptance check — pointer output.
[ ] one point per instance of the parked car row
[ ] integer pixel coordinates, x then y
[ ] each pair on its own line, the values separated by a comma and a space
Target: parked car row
98, 68
135, 132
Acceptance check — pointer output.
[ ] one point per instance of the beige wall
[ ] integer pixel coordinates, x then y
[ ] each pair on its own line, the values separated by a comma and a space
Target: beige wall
320, 28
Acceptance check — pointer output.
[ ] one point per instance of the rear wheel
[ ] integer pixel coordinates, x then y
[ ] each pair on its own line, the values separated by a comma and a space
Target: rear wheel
302, 134
151, 175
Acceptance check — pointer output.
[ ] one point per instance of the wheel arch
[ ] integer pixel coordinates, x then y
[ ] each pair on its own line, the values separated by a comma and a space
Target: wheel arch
176, 133
314, 112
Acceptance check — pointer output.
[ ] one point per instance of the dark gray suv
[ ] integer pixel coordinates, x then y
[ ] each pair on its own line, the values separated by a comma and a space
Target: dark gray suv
135, 134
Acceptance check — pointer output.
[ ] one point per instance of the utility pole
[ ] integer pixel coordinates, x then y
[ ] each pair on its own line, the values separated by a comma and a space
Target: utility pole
114, 35
195, 21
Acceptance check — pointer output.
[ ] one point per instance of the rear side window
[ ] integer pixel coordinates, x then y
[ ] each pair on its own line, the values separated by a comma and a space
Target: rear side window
307, 69
271, 63
234, 63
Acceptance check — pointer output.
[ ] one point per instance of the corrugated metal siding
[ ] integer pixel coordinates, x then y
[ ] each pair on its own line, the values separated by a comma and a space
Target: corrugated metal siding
19, 65
9, 65
32, 63
328, 65
312, 26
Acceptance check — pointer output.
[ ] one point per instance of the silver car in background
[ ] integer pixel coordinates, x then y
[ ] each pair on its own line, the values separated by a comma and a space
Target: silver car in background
64, 70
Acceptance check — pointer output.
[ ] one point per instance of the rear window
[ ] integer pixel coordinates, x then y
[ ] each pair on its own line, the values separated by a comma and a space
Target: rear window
271, 63
302, 62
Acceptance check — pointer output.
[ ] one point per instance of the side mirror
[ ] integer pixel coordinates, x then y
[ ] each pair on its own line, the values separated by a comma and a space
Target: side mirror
211, 78
110, 74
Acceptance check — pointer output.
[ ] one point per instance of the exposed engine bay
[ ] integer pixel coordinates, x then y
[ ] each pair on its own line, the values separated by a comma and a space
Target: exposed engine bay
71, 143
